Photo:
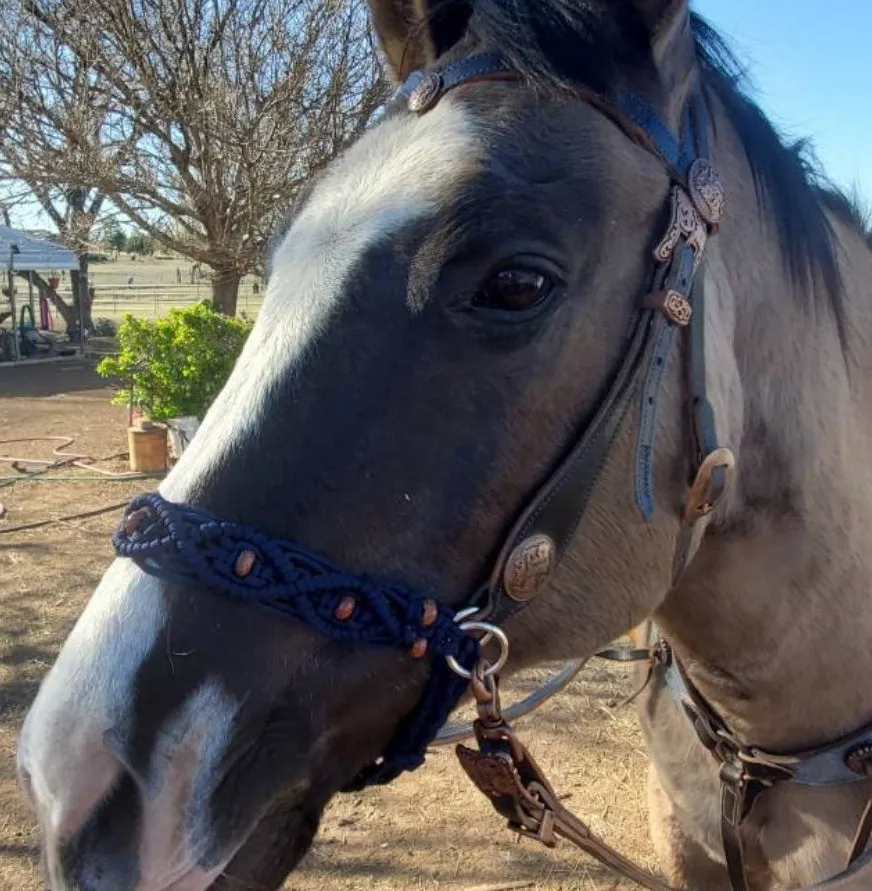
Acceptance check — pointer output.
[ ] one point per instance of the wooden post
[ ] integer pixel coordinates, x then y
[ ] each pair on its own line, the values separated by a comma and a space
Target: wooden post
16, 351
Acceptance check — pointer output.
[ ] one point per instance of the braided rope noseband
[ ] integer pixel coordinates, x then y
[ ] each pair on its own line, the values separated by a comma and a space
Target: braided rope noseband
189, 546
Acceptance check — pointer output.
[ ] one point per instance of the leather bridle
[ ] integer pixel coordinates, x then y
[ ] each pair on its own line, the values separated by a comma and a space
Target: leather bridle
675, 301
188, 545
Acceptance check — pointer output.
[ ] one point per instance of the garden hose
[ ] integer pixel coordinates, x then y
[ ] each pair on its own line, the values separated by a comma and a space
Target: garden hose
61, 458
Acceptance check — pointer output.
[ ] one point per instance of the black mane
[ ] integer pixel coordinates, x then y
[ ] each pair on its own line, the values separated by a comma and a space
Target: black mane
848, 208
558, 43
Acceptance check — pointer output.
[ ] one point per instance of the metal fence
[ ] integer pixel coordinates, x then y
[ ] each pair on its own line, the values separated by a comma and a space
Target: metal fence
153, 301
149, 287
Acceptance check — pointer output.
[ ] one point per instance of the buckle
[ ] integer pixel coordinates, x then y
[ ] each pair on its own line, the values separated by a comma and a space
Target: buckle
713, 478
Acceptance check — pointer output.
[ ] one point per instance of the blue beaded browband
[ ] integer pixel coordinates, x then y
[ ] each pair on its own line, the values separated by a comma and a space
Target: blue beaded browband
186, 545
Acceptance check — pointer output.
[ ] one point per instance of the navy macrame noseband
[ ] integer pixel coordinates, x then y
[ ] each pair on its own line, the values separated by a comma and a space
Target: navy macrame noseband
189, 546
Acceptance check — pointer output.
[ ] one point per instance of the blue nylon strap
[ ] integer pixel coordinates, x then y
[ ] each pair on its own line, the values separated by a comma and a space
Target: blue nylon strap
188, 546
677, 156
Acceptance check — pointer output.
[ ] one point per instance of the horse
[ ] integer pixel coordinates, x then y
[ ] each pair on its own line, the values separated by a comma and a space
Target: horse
449, 314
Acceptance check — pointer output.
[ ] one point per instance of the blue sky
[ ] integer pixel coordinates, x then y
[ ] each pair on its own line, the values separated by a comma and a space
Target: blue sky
811, 64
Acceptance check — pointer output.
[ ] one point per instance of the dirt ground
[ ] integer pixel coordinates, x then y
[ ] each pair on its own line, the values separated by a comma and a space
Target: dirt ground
428, 830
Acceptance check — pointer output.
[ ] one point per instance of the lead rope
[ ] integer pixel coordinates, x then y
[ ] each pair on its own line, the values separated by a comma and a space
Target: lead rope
503, 769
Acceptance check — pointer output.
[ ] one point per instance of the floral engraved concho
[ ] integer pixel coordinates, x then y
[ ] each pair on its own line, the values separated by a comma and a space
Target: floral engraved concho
685, 221
706, 191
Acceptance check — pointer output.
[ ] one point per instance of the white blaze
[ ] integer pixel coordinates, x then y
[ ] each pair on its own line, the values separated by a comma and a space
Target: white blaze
400, 171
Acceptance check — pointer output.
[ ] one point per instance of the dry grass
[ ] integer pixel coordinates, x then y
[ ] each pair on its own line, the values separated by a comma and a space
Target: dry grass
428, 830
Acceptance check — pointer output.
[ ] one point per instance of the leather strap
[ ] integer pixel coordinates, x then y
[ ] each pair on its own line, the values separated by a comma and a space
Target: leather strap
747, 772
842, 762
559, 505
675, 156
504, 770
484, 66
676, 277
861, 836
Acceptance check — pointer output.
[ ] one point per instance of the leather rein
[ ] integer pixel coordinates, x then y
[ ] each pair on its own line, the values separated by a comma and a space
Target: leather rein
187, 545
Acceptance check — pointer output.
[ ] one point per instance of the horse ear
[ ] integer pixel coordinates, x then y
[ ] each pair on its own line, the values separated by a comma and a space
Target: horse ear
414, 33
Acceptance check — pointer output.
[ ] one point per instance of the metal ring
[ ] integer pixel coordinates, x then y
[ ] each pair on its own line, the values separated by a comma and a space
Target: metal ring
452, 733
491, 632
460, 618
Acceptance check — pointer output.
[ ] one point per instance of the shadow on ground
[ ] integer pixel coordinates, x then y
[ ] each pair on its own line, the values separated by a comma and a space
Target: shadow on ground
34, 380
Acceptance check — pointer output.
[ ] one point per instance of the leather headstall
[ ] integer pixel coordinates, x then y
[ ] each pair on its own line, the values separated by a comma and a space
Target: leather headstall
674, 302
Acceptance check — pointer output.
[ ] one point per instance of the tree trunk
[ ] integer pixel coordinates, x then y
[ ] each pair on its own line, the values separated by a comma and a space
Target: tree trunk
225, 291
67, 313
80, 282
79, 224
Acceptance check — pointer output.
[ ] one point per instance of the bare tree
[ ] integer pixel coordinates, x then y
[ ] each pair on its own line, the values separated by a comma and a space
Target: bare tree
52, 107
203, 117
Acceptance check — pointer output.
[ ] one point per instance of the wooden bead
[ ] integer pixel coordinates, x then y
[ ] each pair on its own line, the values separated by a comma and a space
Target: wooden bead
134, 520
244, 563
431, 613
419, 649
345, 610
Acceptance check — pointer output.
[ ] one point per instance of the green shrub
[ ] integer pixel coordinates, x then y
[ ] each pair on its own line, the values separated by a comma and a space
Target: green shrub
176, 365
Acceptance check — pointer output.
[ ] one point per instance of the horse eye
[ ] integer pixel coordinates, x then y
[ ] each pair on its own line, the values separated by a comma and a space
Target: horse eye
514, 290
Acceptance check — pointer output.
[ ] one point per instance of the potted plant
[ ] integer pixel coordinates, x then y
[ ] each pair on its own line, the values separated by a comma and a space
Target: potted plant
172, 368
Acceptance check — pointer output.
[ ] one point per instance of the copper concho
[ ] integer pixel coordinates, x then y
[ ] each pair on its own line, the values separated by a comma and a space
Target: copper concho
677, 309
674, 305
426, 94
706, 191
528, 566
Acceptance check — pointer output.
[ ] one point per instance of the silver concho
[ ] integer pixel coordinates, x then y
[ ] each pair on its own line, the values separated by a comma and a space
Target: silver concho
706, 191
426, 94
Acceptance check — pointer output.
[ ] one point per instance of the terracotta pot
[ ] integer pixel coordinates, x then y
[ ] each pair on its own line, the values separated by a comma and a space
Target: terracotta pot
54, 282
147, 443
